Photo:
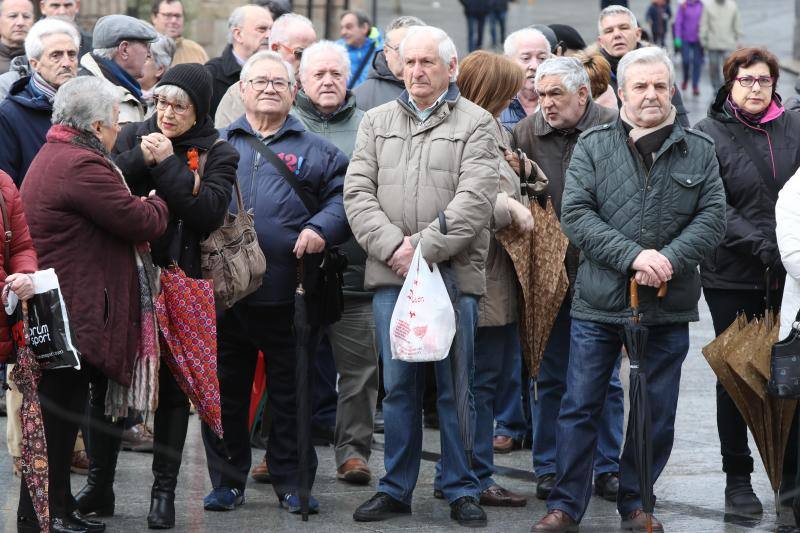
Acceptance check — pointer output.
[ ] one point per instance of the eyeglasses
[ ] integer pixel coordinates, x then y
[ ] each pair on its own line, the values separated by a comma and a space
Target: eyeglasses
162, 104
260, 84
395, 49
176, 16
748, 81
296, 52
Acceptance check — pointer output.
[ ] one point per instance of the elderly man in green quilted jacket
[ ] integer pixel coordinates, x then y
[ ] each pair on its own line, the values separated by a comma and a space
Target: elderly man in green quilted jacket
643, 199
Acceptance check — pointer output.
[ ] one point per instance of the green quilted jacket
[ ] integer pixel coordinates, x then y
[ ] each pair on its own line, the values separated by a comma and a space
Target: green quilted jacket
613, 209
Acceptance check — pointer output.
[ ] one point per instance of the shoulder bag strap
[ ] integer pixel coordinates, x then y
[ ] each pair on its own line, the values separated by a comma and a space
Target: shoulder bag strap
758, 161
283, 170
7, 233
362, 66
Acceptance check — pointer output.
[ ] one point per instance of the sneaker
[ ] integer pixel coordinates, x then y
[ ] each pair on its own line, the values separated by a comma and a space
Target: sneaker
291, 502
137, 439
223, 499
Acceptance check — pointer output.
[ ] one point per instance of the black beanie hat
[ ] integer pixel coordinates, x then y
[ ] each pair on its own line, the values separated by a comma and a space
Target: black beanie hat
196, 81
568, 36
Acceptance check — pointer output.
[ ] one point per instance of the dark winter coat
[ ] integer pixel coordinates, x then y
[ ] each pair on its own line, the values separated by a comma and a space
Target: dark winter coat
279, 213
750, 244
225, 72
192, 218
380, 87
24, 121
475, 8
85, 223
21, 256
613, 210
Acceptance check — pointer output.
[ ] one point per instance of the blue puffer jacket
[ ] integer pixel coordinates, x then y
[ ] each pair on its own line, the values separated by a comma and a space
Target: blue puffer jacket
24, 121
279, 213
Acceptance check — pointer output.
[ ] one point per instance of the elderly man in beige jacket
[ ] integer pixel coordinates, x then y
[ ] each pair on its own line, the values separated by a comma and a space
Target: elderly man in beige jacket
428, 152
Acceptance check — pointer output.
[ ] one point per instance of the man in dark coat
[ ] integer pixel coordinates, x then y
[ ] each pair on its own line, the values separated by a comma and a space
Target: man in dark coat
384, 82
25, 114
248, 32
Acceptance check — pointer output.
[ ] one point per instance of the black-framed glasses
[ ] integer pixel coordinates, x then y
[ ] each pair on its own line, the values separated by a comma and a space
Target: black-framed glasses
260, 84
748, 81
180, 109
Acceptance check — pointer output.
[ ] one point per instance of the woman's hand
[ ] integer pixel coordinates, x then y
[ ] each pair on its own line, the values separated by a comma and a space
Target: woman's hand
159, 146
21, 284
149, 160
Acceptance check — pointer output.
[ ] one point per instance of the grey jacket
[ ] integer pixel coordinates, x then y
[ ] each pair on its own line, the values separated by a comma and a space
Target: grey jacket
613, 209
380, 87
720, 26
19, 68
404, 172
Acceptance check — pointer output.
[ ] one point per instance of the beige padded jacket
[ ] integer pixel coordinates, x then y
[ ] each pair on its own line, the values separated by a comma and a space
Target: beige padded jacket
404, 172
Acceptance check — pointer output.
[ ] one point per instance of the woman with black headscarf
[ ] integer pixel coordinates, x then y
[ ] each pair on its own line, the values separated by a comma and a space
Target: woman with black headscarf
157, 154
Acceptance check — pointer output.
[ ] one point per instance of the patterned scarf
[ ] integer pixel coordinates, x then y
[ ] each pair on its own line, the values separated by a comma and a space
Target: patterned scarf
42, 88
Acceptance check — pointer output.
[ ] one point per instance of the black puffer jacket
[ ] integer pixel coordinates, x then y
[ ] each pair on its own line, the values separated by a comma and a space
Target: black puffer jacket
749, 245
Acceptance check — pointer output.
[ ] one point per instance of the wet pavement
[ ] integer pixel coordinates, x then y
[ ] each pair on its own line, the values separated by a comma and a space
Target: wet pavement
690, 491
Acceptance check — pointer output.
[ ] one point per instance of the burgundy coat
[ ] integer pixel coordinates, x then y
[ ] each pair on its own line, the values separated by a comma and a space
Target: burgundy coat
84, 223
22, 256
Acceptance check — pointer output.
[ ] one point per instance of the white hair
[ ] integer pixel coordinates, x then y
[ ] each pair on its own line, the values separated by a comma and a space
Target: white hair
283, 25
34, 48
236, 20
266, 55
447, 48
320, 47
510, 44
173, 93
84, 100
648, 55
163, 50
569, 70
616, 10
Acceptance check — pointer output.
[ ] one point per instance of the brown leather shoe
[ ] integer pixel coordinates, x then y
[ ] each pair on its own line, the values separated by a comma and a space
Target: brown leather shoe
497, 496
354, 471
80, 463
637, 521
503, 444
555, 521
260, 472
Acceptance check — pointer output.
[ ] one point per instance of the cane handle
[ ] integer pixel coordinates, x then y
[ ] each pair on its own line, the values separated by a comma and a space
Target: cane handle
662, 292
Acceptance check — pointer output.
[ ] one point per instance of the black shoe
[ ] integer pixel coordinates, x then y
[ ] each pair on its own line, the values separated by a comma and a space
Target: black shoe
380, 507
57, 525
739, 496
322, 435
162, 510
607, 486
544, 485
467, 512
438, 494
26, 524
95, 526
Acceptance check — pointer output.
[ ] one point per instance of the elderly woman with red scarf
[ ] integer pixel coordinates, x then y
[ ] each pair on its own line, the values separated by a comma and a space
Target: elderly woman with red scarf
758, 148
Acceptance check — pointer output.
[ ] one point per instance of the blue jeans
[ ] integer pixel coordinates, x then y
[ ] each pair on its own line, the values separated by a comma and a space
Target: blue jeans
497, 27
692, 54
594, 350
507, 399
551, 384
402, 409
475, 32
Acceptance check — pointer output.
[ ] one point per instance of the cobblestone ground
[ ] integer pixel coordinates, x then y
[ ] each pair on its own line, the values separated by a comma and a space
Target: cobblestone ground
690, 491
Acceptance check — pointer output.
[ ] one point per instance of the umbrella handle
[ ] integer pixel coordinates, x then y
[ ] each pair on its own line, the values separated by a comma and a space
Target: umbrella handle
634, 288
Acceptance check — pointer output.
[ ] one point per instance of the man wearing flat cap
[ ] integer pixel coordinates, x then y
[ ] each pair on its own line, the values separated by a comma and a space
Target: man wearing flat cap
121, 48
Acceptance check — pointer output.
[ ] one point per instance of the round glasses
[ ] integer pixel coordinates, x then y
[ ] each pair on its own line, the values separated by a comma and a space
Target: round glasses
260, 84
748, 81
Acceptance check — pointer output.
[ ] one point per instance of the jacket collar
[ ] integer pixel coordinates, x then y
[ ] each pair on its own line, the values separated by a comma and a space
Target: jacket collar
588, 120
439, 112
229, 64
22, 94
677, 135
292, 125
304, 105
380, 70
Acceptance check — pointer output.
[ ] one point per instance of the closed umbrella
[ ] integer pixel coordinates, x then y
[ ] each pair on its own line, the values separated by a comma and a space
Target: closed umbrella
26, 375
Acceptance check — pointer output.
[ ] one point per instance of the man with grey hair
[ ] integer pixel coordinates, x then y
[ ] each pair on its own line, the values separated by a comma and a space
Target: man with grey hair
548, 137
67, 9
384, 81
644, 202
619, 33
437, 158
121, 48
249, 27
16, 18
52, 50
294, 223
529, 48
291, 34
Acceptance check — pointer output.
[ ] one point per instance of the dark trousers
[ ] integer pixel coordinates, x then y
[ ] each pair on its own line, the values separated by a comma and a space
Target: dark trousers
62, 394
170, 423
242, 332
324, 393
475, 32
724, 305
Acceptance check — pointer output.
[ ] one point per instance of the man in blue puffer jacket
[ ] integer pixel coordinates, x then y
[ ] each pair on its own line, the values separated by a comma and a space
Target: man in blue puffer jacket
263, 321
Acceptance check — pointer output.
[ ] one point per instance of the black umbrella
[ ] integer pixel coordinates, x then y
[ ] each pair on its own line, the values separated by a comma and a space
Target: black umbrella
303, 351
639, 430
460, 365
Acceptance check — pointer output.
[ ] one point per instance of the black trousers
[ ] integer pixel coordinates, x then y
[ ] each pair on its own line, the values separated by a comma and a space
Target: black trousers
242, 332
724, 305
62, 394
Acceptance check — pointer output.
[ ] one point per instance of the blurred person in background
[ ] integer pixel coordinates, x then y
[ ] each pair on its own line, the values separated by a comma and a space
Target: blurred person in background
168, 19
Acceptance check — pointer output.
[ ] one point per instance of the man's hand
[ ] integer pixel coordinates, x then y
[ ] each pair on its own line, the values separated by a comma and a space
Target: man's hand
308, 242
520, 216
657, 268
400, 261
513, 161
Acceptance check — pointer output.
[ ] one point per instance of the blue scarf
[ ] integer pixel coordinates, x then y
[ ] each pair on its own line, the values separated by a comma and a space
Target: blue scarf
124, 79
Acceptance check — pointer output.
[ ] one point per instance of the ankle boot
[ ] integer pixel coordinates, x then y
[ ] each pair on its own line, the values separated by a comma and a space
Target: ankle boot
169, 436
97, 497
739, 496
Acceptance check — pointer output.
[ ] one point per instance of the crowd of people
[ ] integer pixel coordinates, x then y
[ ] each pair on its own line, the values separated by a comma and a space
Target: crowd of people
379, 145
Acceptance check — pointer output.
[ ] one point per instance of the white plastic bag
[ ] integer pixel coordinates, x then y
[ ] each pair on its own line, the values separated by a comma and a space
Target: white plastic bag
423, 322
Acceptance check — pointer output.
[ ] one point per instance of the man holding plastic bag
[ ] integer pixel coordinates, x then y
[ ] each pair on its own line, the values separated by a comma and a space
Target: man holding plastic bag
430, 151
